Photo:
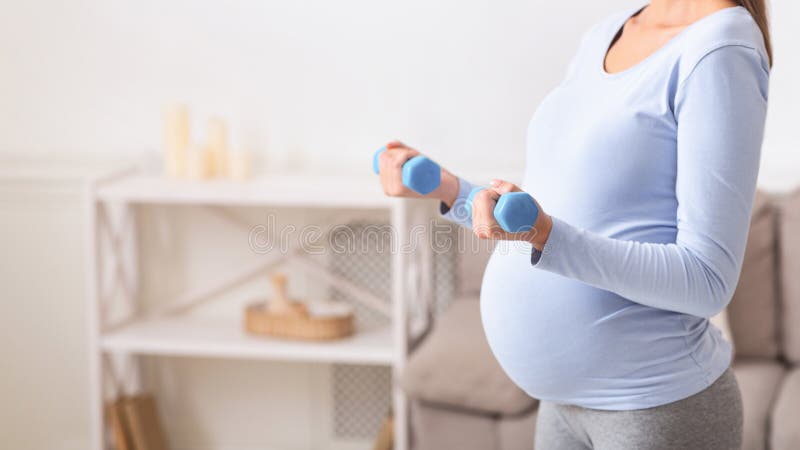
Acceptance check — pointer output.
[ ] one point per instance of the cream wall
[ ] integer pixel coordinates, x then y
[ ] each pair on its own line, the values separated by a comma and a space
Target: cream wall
42, 339
326, 81
780, 162
308, 85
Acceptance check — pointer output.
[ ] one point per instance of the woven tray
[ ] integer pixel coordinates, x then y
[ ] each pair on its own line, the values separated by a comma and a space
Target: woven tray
259, 320
292, 319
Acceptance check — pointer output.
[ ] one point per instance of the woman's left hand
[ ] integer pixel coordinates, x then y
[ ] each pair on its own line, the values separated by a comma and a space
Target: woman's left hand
485, 226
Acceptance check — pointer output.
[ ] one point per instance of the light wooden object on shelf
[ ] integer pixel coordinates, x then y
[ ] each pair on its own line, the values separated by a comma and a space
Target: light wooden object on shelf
217, 147
115, 414
385, 438
283, 317
176, 139
240, 165
144, 425
199, 165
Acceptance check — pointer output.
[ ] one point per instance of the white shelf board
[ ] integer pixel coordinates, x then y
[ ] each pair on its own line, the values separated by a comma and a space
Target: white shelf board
225, 338
323, 191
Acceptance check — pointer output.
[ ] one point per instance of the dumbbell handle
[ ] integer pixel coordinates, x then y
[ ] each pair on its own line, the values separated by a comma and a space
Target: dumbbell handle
420, 174
515, 212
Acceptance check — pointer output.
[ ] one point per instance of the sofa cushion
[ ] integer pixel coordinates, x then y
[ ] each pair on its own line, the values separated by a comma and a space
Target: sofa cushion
436, 428
752, 313
454, 366
759, 380
786, 415
790, 275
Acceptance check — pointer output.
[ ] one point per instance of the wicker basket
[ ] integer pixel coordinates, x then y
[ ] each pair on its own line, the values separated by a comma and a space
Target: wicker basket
292, 319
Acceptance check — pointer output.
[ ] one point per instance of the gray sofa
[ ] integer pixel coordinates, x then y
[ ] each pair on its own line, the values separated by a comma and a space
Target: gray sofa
461, 399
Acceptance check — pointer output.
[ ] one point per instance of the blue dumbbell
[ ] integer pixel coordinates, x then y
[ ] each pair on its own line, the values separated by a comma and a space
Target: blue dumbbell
420, 174
515, 212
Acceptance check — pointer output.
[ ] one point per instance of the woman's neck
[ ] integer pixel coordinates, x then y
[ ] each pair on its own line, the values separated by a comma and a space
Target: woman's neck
678, 13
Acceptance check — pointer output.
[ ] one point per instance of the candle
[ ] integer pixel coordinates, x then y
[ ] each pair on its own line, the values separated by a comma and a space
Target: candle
240, 164
218, 147
198, 163
176, 139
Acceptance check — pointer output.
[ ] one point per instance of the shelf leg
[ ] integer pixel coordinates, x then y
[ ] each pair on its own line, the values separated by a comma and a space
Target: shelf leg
96, 432
400, 224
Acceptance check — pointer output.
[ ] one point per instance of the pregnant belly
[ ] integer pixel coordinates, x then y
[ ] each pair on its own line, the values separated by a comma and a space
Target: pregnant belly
560, 339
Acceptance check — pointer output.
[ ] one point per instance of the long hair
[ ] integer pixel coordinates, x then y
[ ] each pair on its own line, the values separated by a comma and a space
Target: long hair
758, 9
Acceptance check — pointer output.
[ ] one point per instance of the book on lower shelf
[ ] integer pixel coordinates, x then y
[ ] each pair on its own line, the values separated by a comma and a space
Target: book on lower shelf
135, 423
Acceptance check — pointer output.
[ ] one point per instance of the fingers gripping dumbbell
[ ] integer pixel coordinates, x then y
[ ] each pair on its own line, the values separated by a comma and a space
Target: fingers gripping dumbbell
420, 174
516, 212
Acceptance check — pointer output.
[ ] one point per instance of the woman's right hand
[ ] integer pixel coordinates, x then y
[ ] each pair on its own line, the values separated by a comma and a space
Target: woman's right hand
391, 163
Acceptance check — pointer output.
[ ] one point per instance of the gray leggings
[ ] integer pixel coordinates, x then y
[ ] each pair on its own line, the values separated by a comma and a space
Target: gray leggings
709, 420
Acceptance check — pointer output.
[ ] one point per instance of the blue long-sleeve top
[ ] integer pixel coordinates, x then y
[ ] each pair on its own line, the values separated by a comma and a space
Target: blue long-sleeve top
649, 175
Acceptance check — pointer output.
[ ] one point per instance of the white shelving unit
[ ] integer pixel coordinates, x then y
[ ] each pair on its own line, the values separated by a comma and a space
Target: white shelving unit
170, 332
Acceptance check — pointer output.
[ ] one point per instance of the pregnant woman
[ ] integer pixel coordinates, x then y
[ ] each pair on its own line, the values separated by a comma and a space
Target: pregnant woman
643, 162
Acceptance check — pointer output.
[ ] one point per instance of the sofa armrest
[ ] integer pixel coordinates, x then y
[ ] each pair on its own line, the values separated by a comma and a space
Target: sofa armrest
455, 367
